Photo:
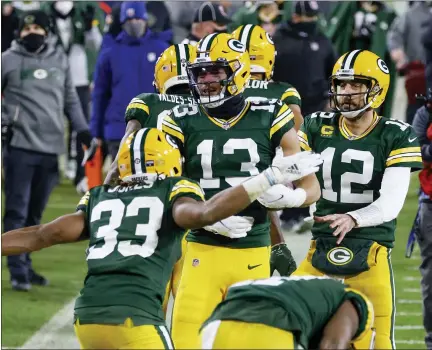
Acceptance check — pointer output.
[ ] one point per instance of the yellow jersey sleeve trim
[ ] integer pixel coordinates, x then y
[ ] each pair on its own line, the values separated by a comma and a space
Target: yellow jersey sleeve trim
304, 146
170, 127
405, 150
290, 92
404, 160
281, 121
84, 200
137, 105
185, 186
302, 135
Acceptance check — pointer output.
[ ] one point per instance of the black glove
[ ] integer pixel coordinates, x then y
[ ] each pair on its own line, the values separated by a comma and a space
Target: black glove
88, 16
85, 138
6, 134
282, 260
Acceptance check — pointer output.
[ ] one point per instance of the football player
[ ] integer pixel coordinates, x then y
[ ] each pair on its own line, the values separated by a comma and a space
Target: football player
289, 313
260, 87
364, 181
134, 231
225, 140
262, 53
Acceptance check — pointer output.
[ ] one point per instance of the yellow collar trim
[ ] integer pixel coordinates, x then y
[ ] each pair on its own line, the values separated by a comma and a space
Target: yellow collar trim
227, 124
349, 135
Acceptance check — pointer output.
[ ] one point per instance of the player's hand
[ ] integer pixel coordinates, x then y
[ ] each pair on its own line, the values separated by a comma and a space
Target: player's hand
232, 227
277, 197
297, 166
90, 151
282, 260
343, 223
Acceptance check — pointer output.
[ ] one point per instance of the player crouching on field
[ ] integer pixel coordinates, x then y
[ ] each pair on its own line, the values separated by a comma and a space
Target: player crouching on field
289, 313
134, 231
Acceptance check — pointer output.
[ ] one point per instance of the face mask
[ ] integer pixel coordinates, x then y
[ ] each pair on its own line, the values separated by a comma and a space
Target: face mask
33, 42
135, 29
64, 7
307, 27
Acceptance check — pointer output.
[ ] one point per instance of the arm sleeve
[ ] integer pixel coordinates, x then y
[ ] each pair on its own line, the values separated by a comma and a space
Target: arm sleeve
93, 39
388, 206
283, 121
173, 128
101, 94
83, 203
5, 117
291, 97
420, 125
186, 188
138, 110
73, 107
304, 134
395, 39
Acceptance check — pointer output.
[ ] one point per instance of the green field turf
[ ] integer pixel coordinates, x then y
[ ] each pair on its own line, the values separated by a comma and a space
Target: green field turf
24, 313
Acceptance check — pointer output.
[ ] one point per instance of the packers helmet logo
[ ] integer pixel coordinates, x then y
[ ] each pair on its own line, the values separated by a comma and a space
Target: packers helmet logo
236, 45
29, 19
382, 65
340, 256
269, 38
171, 141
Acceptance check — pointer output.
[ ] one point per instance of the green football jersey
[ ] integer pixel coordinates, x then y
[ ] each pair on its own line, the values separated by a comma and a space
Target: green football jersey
353, 168
134, 243
257, 90
302, 305
149, 109
223, 153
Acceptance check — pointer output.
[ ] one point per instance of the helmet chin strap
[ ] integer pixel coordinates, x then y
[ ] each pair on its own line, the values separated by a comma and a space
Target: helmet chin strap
358, 112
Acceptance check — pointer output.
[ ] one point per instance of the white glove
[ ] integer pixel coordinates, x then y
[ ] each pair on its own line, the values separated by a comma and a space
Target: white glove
279, 197
296, 166
232, 227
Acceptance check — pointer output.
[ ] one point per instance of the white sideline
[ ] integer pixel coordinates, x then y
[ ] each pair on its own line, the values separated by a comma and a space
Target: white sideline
57, 333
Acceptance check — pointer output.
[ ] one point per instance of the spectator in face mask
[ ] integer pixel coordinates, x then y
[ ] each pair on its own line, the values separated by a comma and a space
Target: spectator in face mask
37, 90
125, 68
209, 18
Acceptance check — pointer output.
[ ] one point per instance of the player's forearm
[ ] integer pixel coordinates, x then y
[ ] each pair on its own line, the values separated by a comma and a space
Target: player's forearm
312, 188
132, 125
341, 328
276, 234
22, 240
298, 117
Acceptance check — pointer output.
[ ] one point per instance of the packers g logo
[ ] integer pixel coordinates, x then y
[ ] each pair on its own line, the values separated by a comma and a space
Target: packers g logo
269, 38
381, 65
327, 130
340, 256
236, 45
40, 74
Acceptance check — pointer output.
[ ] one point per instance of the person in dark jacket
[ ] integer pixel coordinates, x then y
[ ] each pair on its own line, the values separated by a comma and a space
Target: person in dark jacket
305, 56
124, 69
305, 59
37, 91
422, 125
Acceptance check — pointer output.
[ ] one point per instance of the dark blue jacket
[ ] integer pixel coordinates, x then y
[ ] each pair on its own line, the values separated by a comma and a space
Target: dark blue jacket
124, 69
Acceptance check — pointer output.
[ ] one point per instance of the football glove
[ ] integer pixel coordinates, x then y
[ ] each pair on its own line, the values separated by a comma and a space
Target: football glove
90, 151
296, 166
278, 197
232, 227
282, 260
6, 134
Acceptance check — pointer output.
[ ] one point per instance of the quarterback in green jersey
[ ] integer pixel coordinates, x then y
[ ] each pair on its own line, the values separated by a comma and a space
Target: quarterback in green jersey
289, 313
364, 181
134, 230
224, 141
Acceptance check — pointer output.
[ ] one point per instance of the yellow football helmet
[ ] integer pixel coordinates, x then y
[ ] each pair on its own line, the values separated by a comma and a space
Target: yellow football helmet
365, 67
260, 46
149, 154
215, 52
170, 70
